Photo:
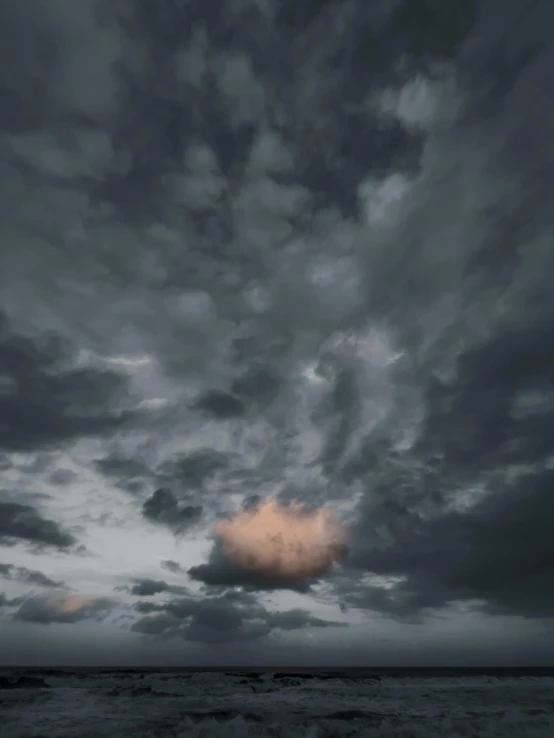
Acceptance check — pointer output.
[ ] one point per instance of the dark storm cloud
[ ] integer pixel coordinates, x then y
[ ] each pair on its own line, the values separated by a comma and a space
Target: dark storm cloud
188, 184
10, 602
66, 609
190, 471
220, 571
220, 405
510, 563
229, 618
121, 467
150, 587
182, 476
129, 474
297, 619
173, 566
44, 403
63, 477
156, 624
436, 29
499, 549
24, 523
493, 416
147, 608
500, 553
459, 515
22, 574
258, 384
164, 508
476, 423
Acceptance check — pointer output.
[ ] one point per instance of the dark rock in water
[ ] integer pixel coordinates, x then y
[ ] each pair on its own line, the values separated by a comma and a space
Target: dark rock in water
24, 682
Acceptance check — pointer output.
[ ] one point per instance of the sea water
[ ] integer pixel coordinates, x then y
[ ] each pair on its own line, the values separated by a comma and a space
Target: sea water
169, 703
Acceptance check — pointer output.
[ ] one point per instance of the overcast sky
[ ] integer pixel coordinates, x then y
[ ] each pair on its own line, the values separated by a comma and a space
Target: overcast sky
257, 248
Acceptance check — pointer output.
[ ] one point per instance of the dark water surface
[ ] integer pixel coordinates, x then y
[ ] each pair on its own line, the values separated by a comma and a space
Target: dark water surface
309, 702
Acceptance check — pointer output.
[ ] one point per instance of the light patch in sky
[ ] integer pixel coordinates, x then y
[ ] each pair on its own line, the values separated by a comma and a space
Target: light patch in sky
125, 362
154, 403
310, 373
382, 581
69, 604
463, 500
380, 200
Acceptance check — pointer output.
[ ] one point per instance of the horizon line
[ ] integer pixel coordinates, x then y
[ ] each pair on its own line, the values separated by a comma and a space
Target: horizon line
267, 667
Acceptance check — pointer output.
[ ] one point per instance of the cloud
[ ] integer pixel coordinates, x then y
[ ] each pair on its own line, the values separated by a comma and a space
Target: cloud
297, 619
10, 602
164, 508
128, 473
180, 479
172, 566
63, 477
30, 576
62, 609
191, 471
45, 403
232, 617
23, 523
432, 29
258, 383
331, 264
460, 515
220, 405
220, 571
149, 587
78, 36
282, 542
495, 554
473, 421
509, 564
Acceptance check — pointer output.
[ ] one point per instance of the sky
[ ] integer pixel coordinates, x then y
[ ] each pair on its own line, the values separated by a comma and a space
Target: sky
264, 259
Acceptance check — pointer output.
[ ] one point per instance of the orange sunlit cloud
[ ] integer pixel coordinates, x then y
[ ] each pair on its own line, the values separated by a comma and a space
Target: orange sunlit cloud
281, 541
69, 604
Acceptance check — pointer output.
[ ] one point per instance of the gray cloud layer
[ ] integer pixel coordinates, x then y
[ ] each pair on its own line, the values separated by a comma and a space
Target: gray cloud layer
21, 573
24, 523
288, 249
228, 618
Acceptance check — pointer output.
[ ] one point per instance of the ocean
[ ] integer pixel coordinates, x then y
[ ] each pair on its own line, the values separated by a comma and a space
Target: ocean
307, 703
